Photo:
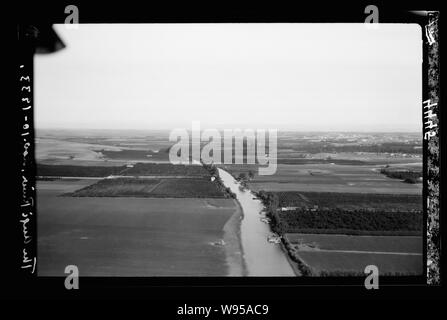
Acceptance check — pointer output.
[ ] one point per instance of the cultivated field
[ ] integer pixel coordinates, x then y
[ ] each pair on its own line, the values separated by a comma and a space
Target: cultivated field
350, 222
334, 263
350, 201
119, 187
147, 169
130, 236
101, 146
196, 188
409, 244
332, 178
347, 213
139, 169
344, 255
164, 219
339, 234
54, 148
61, 186
78, 171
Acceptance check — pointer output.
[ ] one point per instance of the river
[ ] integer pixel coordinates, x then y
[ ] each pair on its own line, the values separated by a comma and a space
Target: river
261, 257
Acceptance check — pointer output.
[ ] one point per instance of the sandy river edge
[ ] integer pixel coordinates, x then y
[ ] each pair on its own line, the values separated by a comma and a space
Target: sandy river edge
233, 243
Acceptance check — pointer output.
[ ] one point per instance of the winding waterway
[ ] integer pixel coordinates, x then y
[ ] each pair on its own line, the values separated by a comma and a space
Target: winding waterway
262, 258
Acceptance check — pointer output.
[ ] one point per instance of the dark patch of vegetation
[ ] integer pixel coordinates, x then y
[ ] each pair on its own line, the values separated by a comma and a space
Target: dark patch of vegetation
407, 176
214, 173
243, 178
77, 171
128, 154
303, 268
152, 188
189, 188
166, 169
345, 273
119, 187
270, 202
368, 201
211, 169
330, 219
337, 221
358, 232
327, 218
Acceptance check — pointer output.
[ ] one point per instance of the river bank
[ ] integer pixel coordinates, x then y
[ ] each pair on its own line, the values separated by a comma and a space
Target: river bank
233, 245
261, 257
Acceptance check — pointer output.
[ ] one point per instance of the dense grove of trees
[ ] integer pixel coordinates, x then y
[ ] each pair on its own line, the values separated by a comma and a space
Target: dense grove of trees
189, 188
270, 202
394, 202
408, 176
296, 220
77, 171
153, 188
349, 221
335, 220
119, 187
214, 172
244, 177
211, 169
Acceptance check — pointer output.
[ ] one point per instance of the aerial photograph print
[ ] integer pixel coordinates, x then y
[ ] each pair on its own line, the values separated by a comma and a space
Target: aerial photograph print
230, 150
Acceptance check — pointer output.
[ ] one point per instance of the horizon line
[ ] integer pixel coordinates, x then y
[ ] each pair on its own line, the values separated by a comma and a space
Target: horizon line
279, 130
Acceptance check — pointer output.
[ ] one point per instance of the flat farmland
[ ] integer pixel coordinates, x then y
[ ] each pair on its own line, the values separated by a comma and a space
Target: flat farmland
139, 169
70, 150
152, 188
130, 236
53, 148
343, 255
343, 263
61, 186
408, 244
350, 201
146, 169
77, 170
118, 187
332, 178
200, 188
347, 158
236, 169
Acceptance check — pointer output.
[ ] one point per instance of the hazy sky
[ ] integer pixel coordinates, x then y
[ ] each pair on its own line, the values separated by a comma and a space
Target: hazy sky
305, 77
